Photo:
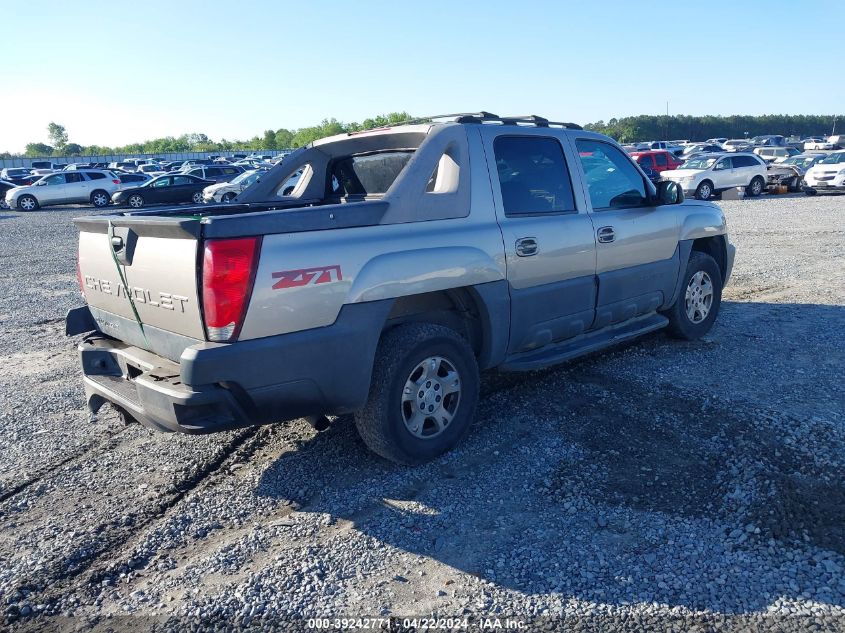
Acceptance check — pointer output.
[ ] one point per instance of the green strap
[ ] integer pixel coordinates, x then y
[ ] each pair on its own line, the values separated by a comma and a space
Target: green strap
125, 285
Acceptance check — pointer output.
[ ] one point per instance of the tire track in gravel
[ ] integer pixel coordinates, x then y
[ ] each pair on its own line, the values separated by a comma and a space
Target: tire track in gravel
55, 576
69, 461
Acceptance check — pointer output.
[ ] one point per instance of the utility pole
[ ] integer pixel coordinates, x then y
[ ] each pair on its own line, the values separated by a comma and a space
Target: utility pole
833, 131
666, 132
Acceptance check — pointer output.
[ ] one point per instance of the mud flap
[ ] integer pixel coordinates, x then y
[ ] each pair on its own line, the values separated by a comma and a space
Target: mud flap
79, 321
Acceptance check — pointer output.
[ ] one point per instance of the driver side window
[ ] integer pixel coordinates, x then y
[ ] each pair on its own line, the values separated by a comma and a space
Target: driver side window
612, 180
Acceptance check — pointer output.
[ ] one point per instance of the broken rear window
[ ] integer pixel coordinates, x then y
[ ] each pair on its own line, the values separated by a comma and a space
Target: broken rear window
367, 174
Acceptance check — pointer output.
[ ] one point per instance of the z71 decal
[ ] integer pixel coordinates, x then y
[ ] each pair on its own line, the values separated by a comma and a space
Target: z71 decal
306, 277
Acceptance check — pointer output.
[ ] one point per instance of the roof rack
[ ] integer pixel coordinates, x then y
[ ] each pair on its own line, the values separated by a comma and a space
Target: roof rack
488, 117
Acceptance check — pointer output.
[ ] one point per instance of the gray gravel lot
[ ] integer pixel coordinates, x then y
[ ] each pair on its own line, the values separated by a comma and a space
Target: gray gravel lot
661, 485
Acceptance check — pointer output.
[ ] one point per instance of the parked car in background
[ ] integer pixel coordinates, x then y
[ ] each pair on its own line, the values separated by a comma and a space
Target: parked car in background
44, 164
216, 173
700, 148
228, 191
838, 141
768, 140
151, 169
78, 166
826, 175
708, 174
716, 141
818, 143
656, 160
132, 180
788, 174
122, 164
18, 175
195, 162
66, 187
775, 154
737, 145
5, 185
169, 189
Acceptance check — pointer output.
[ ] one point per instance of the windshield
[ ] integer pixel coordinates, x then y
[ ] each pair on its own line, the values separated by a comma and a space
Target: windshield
800, 161
698, 163
838, 157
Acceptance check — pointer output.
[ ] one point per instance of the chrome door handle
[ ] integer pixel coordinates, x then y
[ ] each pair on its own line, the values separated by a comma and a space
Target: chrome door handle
527, 246
605, 234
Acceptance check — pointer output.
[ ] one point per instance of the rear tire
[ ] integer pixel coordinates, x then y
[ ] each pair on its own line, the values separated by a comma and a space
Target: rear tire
100, 198
704, 191
795, 187
423, 394
197, 197
697, 305
228, 197
755, 187
27, 203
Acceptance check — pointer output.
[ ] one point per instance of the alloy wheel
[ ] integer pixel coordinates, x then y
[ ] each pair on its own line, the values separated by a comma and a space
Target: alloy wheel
431, 397
699, 297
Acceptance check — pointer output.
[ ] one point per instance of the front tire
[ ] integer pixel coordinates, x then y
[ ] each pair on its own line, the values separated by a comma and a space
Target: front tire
704, 191
100, 198
755, 187
136, 201
228, 197
697, 305
795, 187
423, 394
27, 203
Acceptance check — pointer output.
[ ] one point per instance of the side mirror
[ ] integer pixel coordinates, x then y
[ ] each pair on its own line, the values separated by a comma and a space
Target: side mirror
669, 192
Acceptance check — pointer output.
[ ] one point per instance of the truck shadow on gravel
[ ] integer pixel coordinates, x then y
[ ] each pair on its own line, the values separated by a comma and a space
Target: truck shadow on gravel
605, 489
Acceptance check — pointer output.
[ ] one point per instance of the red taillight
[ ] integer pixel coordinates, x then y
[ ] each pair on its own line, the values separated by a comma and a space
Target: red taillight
116, 181
228, 272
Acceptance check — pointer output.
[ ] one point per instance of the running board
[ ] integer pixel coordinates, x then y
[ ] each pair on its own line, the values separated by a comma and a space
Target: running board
584, 344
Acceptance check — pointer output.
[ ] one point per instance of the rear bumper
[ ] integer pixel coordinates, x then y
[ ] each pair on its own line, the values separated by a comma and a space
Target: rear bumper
218, 387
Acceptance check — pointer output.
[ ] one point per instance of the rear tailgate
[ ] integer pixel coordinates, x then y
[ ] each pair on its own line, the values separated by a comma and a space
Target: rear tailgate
140, 279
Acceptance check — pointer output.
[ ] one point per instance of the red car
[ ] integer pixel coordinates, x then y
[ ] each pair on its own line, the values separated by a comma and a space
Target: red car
657, 160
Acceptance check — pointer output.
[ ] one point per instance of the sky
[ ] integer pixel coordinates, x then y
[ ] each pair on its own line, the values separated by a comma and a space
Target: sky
119, 72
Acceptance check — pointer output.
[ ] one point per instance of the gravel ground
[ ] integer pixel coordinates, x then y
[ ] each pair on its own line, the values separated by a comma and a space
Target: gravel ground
661, 485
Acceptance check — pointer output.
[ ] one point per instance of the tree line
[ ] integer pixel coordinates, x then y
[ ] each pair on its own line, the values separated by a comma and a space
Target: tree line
646, 127
626, 130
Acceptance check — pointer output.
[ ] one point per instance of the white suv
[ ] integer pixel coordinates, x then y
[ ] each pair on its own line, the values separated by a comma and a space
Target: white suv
775, 154
707, 174
66, 187
826, 175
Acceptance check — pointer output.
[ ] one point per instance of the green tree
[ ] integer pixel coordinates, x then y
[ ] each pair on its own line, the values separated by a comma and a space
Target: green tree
38, 149
269, 140
284, 138
57, 135
73, 149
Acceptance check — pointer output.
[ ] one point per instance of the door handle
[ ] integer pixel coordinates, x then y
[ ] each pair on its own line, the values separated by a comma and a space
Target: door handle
605, 234
527, 246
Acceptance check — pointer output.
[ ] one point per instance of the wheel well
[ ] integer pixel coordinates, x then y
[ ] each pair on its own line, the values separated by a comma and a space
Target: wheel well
456, 309
715, 247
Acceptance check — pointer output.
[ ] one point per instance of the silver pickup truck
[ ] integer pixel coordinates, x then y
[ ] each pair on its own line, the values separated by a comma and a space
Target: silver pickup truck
399, 264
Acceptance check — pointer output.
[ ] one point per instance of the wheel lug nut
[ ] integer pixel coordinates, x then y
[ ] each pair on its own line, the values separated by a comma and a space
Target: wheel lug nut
430, 408
437, 387
428, 384
437, 399
422, 393
422, 407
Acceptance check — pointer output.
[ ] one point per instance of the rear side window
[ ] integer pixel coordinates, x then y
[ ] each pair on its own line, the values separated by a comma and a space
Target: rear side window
660, 160
367, 174
183, 180
74, 176
95, 175
533, 176
613, 182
